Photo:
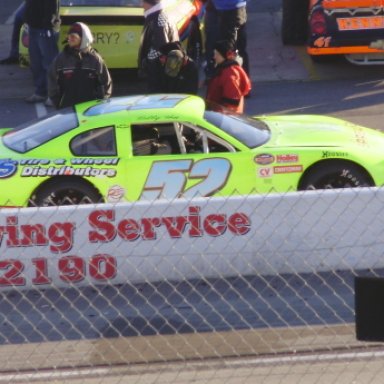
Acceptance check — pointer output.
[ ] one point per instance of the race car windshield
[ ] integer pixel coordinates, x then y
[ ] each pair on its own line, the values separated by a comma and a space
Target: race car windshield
28, 136
251, 132
100, 3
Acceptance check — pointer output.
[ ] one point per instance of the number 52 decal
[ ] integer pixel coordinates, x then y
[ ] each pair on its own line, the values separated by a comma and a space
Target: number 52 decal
168, 179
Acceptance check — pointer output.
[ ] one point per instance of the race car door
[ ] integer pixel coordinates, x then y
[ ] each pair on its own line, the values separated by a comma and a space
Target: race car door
173, 160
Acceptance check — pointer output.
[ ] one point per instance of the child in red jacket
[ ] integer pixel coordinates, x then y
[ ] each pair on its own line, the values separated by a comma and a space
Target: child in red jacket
229, 84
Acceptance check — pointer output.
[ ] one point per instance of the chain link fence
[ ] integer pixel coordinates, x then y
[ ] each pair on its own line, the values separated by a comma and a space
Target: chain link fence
230, 290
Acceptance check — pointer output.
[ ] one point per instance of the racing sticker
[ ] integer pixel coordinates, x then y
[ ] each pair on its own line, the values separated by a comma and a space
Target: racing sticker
172, 179
7, 168
288, 158
67, 171
115, 194
327, 154
265, 172
287, 169
264, 159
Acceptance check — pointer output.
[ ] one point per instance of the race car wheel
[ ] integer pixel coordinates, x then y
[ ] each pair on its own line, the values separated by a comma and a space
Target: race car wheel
194, 45
67, 192
294, 25
320, 59
340, 174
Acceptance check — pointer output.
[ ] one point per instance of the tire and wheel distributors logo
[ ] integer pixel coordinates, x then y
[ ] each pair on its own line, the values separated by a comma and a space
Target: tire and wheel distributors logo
7, 168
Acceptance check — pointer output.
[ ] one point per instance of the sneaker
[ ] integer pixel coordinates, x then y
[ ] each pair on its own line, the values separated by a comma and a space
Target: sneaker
9, 60
35, 99
48, 102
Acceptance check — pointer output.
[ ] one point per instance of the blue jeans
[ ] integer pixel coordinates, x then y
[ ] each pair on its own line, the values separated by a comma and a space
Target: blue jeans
42, 50
17, 23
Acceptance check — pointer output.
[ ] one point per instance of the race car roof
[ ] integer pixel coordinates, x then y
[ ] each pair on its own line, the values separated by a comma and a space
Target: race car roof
180, 105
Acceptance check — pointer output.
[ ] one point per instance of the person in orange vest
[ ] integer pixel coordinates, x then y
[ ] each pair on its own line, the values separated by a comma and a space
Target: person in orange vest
229, 83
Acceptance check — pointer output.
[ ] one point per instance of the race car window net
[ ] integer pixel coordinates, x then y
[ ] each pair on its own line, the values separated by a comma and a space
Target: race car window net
100, 3
251, 132
31, 135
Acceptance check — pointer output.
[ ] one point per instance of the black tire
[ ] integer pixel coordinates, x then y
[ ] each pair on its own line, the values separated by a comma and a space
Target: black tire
324, 59
294, 26
66, 192
333, 175
195, 41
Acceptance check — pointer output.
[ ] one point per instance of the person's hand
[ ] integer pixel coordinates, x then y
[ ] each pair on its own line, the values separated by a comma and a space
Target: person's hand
56, 23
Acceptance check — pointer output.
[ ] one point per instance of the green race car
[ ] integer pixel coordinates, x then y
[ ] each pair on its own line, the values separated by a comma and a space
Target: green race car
117, 24
168, 146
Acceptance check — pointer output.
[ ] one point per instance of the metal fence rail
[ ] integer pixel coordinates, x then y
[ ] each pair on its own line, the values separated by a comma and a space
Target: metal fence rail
203, 290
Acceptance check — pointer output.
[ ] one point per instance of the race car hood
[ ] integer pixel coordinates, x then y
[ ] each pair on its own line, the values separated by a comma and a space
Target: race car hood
318, 131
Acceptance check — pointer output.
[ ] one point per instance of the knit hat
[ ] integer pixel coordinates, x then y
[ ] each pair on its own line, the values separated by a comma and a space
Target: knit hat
174, 62
224, 47
152, 2
76, 29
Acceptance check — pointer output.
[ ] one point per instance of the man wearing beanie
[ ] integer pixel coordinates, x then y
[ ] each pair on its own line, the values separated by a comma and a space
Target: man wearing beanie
229, 84
78, 73
180, 74
157, 31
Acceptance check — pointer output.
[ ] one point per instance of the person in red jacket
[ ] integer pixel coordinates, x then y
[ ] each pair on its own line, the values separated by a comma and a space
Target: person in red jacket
230, 83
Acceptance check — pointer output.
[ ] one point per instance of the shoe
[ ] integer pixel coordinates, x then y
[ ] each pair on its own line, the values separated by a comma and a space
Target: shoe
10, 60
35, 99
48, 102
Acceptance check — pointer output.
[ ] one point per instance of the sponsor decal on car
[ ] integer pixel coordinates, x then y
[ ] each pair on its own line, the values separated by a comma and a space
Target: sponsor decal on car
360, 23
67, 171
115, 194
288, 158
98, 161
327, 154
287, 169
264, 159
265, 172
7, 168
360, 136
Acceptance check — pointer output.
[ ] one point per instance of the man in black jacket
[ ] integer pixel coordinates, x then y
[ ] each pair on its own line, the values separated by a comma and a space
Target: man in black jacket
42, 18
78, 73
157, 31
180, 73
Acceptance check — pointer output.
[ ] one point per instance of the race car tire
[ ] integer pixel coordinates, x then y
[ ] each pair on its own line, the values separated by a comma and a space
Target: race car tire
320, 59
66, 192
335, 174
195, 41
294, 25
